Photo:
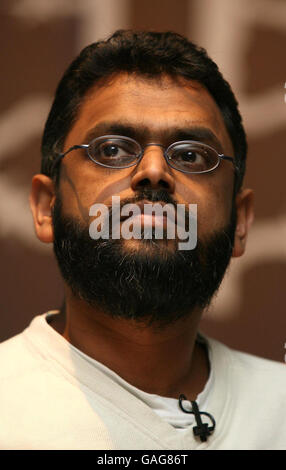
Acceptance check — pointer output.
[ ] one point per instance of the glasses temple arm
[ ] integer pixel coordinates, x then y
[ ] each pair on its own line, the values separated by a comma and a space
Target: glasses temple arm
60, 156
231, 159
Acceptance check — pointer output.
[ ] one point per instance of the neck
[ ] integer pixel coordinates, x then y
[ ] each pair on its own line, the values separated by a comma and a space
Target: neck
165, 362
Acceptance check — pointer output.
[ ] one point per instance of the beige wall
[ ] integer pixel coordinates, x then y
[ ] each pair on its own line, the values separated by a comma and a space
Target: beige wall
248, 40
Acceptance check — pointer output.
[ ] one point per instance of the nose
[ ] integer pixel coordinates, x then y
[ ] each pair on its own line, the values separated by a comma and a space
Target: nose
153, 171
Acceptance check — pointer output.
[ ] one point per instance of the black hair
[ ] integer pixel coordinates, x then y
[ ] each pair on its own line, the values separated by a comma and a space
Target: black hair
150, 55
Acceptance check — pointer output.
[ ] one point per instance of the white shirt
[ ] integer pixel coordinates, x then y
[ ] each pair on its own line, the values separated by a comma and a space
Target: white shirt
167, 408
52, 396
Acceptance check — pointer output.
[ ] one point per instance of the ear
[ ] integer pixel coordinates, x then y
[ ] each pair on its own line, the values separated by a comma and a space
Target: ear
42, 198
245, 214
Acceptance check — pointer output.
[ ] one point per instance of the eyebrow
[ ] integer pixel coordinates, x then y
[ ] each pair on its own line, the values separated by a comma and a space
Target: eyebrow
143, 134
113, 128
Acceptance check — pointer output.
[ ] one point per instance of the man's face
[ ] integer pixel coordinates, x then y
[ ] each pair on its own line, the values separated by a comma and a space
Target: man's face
162, 113
131, 278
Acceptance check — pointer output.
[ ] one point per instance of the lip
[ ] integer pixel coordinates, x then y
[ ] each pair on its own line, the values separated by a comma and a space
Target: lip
141, 205
147, 220
150, 219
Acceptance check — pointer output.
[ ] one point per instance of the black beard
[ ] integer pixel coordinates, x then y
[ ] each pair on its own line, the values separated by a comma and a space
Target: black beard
152, 285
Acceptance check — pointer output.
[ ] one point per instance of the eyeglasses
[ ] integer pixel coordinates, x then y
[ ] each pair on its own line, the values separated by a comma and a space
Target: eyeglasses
116, 151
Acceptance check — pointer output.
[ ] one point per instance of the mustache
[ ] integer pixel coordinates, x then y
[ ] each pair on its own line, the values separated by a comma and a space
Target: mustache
154, 196
150, 195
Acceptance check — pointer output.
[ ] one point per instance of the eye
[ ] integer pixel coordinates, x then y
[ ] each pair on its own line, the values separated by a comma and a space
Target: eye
193, 157
110, 150
114, 152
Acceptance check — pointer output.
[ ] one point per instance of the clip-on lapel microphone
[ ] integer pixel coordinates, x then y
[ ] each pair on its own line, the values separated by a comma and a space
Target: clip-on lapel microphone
203, 430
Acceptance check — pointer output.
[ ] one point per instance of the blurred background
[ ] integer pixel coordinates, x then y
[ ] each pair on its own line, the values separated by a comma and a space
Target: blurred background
39, 38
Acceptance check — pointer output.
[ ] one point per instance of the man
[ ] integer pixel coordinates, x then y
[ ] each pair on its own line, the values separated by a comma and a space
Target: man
145, 118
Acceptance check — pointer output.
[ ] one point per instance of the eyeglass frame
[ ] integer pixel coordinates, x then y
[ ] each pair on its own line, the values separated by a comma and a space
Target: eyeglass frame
221, 156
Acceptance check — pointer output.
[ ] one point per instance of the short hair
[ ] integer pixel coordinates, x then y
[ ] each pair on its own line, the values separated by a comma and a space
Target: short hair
147, 54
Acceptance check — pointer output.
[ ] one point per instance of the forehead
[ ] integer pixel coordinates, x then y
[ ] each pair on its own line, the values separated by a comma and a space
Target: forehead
156, 105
